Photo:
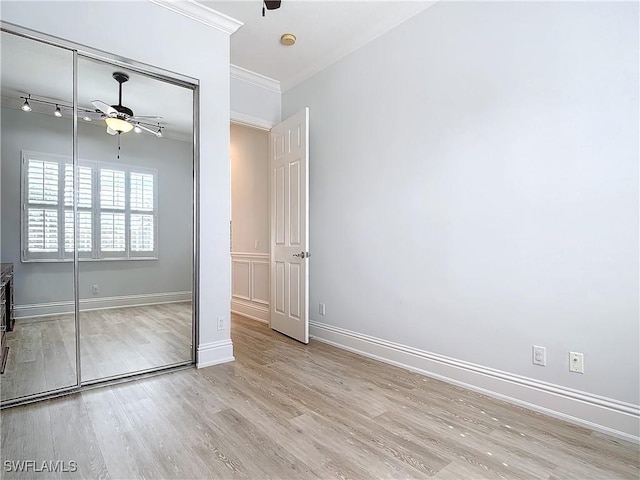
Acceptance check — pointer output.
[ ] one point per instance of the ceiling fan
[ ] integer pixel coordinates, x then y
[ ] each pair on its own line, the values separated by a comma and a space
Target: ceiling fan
120, 119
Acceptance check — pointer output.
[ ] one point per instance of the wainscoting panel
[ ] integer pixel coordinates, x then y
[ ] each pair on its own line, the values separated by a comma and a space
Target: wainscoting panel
241, 279
250, 280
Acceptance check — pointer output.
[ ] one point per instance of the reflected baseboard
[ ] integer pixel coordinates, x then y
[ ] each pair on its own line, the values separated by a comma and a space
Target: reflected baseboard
64, 308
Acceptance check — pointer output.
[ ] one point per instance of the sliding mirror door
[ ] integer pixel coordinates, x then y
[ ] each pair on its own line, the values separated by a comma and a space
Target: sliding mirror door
37, 236
136, 181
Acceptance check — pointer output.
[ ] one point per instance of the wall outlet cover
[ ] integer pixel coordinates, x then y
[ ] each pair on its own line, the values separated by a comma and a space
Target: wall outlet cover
539, 356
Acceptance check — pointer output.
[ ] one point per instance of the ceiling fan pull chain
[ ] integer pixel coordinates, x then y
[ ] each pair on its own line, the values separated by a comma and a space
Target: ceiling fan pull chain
263, 10
118, 145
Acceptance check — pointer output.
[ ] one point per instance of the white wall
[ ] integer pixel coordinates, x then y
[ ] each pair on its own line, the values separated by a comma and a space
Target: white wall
250, 189
254, 104
41, 283
197, 51
250, 222
474, 192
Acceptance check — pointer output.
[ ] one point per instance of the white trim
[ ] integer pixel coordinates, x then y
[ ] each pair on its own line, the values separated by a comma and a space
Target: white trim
249, 255
87, 304
254, 78
201, 13
214, 353
249, 310
250, 121
599, 413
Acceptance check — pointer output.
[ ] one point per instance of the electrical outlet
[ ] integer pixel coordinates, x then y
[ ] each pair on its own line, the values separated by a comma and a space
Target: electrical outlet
576, 362
539, 356
94, 289
220, 323
321, 309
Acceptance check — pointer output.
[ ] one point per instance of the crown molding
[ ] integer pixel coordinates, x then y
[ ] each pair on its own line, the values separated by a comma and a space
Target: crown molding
254, 78
201, 13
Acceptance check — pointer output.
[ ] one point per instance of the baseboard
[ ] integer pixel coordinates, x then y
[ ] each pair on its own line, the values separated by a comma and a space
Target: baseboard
250, 310
214, 353
87, 304
598, 413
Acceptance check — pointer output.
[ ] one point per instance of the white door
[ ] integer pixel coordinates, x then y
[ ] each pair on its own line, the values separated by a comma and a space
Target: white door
289, 162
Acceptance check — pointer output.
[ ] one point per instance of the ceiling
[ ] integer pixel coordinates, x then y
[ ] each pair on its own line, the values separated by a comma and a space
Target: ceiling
325, 30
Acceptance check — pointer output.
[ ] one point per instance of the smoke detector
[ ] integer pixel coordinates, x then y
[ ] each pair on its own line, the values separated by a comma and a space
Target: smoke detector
288, 39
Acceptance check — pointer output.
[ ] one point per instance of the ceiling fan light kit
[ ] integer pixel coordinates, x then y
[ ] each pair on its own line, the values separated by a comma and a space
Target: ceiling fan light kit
118, 124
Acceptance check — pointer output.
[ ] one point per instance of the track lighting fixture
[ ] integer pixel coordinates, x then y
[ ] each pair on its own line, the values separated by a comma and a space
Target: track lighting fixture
115, 123
25, 106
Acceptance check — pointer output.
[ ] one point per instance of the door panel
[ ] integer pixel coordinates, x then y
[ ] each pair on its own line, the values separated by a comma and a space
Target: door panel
289, 159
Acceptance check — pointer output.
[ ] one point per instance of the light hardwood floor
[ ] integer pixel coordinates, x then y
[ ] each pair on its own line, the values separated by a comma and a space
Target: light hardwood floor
42, 351
288, 411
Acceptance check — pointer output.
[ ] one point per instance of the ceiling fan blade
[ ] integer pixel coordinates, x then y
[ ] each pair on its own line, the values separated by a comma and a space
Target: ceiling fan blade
111, 131
147, 117
92, 115
103, 107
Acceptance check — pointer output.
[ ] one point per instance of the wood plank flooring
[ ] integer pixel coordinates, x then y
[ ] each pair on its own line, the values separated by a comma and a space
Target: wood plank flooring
284, 410
42, 351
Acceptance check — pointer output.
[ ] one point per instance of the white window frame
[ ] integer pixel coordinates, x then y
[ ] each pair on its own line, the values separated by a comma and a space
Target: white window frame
96, 254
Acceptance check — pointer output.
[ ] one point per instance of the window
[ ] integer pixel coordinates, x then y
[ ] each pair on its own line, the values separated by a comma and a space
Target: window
116, 212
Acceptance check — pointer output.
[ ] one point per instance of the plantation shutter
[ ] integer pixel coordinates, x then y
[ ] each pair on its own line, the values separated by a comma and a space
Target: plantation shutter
42, 208
112, 188
85, 217
116, 213
141, 199
112, 223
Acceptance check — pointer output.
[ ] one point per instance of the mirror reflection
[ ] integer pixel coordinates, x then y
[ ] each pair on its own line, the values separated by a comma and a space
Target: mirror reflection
124, 210
39, 349
135, 160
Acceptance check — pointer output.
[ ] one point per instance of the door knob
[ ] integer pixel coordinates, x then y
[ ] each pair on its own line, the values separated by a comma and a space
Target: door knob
300, 255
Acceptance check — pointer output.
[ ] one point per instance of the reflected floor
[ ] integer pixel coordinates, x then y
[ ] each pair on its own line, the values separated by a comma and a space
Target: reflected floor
113, 342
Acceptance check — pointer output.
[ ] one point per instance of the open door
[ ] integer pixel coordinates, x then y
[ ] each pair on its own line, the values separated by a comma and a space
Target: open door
289, 162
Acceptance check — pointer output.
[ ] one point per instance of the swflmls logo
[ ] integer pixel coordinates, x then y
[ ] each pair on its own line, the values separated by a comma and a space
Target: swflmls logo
44, 466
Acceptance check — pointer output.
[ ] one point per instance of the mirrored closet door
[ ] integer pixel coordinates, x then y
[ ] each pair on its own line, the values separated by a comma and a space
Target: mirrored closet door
97, 231
135, 159
37, 237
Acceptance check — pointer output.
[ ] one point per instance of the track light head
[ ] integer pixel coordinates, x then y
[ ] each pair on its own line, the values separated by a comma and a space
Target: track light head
25, 106
137, 128
159, 132
57, 112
